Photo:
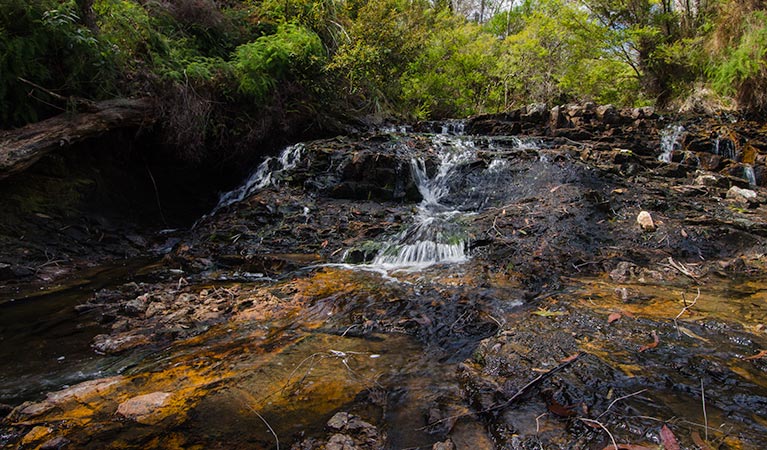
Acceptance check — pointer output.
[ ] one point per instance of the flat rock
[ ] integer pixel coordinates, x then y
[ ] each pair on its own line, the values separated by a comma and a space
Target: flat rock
144, 408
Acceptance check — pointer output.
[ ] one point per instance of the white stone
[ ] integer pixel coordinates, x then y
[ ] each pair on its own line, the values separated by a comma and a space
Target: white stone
644, 219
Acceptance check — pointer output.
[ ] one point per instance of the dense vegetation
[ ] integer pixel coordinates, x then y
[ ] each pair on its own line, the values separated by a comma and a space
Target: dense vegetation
222, 67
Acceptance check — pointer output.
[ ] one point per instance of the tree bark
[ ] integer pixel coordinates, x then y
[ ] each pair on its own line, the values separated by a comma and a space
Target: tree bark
22, 147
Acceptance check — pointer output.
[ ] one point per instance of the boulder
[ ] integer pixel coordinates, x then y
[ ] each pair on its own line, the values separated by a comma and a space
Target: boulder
741, 195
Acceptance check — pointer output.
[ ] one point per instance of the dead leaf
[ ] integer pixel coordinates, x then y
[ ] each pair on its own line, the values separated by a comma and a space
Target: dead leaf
572, 357
652, 344
560, 410
760, 355
613, 317
668, 439
700, 442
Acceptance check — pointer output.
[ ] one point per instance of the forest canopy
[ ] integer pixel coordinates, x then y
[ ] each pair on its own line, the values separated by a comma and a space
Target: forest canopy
412, 59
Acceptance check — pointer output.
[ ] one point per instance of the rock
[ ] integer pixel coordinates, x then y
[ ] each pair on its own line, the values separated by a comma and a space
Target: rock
623, 272
154, 308
144, 408
644, 219
446, 445
36, 434
741, 195
79, 393
339, 420
55, 443
135, 307
111, 345
341, 442
535, 113
608, 114
706, 180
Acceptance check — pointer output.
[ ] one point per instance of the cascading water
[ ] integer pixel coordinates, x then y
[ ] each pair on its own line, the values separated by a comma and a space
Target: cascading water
266, 174
435, 236
669, 142
748, 174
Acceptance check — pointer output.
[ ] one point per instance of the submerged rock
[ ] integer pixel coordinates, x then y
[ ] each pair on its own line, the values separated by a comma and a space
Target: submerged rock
146, 408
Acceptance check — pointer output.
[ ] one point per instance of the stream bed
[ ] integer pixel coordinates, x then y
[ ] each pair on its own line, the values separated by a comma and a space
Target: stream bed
433, 289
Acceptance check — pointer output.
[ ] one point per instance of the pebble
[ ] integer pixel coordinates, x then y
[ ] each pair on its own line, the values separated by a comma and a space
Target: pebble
644, 219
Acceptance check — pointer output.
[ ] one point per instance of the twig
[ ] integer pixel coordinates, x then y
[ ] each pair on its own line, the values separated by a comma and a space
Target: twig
156, 194
619, 399
686, 307
703, 400
615, 444
685, 271
537, 423
247, 398
76, 100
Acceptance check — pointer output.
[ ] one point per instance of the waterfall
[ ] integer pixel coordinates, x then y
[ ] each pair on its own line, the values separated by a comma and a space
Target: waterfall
669, 142
434, 237
268, 173
748, 174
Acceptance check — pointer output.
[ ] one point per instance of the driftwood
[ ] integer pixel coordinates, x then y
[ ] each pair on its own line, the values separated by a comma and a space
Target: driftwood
22, 147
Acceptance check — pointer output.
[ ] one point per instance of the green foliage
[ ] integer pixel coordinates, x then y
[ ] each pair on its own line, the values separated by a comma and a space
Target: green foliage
741, 70
383, 39
43, 42
452, 77
292, 51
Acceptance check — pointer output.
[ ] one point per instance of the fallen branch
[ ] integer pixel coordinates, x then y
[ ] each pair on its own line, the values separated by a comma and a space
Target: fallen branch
22, 147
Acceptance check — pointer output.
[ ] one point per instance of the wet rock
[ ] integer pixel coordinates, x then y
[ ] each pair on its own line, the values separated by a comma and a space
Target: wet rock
78, 393
114, 344
144, 408
55, 443
36, 434
623, 272
341, 442
351, 432
137, 306
645, 221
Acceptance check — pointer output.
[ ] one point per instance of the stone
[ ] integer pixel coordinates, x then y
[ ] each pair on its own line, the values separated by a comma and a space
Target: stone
339, 420
36, 434
741, 195
706, 180
112, 345
341, 442
446, 445
55, 443
142, 408
644, 219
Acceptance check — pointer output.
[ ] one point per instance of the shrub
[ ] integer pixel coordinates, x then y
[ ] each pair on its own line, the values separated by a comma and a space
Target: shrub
293, 51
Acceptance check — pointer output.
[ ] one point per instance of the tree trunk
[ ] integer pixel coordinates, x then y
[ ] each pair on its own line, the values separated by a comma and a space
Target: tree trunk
22, 147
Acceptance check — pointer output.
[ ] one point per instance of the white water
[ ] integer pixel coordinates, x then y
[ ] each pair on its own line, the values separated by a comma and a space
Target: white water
267, 174
434, 237
748, 173
669, 142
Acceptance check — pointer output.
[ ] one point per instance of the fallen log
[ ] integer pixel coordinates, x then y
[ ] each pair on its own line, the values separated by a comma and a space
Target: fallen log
22, 147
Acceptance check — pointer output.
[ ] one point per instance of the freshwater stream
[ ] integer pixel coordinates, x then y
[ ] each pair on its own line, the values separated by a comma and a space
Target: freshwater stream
427, 339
